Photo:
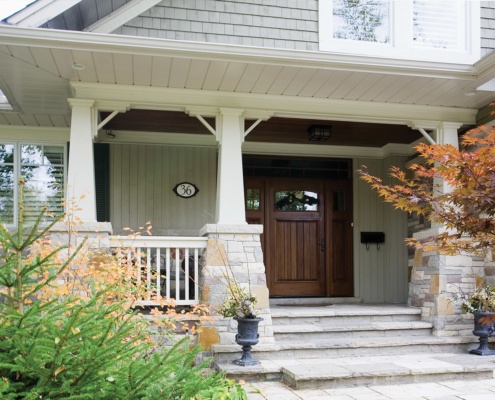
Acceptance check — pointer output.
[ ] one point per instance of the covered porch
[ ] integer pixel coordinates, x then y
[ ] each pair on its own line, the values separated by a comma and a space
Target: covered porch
173, 112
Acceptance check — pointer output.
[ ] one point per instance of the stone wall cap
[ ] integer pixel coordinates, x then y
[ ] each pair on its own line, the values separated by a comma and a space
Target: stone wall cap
103, 227
210, 229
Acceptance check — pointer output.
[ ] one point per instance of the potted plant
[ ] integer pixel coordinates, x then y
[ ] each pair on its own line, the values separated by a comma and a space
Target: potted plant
464, 205
239, 303
481, 303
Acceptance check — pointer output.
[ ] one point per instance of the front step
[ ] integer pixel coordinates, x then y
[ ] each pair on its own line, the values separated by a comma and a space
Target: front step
350, 347
327, 346
366, 371
332, 331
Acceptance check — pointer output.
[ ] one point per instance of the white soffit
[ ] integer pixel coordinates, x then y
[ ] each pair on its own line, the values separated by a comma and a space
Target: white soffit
122, 15
155, 47
41, 11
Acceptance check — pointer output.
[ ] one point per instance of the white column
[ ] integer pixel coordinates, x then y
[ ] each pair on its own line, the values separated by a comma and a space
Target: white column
446, 133
81, 176
230, 184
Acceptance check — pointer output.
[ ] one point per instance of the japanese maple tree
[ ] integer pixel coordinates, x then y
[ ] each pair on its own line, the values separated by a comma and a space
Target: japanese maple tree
466, 208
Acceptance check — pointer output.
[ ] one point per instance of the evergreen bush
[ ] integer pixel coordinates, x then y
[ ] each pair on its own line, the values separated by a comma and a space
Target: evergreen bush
83, 347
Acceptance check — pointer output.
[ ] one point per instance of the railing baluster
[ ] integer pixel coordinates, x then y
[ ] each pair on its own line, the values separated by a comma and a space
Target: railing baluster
158, 275
186, 274
139, 265
168, 273
196, 274
177, 274
148, 274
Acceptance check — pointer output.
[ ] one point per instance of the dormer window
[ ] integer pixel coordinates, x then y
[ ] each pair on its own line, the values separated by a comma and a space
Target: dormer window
423, 30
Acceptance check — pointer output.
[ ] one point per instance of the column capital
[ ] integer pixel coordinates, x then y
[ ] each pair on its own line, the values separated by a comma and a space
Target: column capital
73, 102
417, 124
231, 111
430, 125
449, 125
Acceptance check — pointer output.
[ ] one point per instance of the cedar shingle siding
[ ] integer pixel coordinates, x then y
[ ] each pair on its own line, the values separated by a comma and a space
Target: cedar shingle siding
288, 24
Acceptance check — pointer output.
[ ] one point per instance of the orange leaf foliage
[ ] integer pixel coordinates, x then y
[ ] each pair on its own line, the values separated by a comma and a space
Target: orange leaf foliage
466, 208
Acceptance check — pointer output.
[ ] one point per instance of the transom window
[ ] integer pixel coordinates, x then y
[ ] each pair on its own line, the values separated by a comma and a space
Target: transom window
43, 167
427, 30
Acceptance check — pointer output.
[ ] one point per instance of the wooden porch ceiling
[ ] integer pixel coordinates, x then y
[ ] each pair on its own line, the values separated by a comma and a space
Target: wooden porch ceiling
274, 130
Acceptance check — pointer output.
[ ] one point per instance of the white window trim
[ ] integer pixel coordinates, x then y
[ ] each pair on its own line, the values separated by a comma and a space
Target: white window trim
17, 169
401, 45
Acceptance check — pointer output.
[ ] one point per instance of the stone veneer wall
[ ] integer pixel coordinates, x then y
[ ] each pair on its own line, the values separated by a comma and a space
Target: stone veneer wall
97, 234
237, 247
436, 278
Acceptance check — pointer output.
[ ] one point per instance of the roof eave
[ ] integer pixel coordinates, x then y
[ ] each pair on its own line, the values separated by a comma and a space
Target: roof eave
200, 50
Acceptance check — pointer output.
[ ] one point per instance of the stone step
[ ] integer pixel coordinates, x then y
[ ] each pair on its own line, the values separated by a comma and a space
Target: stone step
365, 371
347, 347
342, 314
366, 330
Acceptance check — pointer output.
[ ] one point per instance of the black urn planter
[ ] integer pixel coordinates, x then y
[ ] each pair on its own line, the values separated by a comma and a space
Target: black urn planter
247, 336
484, 329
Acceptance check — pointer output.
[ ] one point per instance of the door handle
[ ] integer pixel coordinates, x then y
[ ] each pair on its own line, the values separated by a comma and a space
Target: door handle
322, 244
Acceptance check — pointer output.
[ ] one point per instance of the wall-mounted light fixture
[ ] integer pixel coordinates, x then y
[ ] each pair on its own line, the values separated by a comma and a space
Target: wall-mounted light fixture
319, 133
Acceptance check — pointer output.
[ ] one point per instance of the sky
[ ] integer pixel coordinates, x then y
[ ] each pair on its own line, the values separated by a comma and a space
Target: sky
9, 7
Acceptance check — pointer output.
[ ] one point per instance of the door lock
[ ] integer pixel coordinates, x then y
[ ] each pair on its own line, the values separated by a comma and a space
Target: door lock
322, 244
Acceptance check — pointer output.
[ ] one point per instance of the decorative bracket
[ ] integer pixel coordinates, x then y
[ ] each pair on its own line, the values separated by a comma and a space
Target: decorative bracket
201, 112
421, 125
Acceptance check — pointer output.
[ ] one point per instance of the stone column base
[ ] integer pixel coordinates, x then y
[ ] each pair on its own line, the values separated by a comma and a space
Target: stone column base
436, 281
238, 249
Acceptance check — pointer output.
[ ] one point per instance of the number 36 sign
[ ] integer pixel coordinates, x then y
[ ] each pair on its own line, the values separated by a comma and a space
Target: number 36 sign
186, 190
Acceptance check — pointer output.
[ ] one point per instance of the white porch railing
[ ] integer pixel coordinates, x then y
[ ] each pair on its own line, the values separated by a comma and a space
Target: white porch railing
169, 266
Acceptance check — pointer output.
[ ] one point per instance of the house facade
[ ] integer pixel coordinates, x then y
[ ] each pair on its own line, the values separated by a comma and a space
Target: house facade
245, 121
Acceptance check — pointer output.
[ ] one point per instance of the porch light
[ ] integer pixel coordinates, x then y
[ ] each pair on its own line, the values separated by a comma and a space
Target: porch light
319, 133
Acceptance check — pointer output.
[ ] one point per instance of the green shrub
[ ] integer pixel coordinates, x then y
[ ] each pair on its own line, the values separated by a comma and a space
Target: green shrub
73, 347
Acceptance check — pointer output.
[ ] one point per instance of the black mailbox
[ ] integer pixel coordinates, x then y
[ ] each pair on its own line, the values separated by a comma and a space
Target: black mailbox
372, 237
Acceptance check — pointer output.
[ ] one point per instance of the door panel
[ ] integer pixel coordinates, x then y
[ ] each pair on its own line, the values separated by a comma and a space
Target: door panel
296, 243
339, 239
294, 231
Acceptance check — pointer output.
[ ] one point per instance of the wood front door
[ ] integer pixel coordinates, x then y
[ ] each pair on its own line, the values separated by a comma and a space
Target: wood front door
307, 239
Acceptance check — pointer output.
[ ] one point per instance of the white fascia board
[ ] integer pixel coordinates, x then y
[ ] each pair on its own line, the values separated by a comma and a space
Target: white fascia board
313, 150
122, 15
38, 133
485, 72
40, 12
283, 106
119, 44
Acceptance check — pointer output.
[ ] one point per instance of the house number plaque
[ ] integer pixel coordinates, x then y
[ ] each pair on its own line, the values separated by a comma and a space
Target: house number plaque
186, 190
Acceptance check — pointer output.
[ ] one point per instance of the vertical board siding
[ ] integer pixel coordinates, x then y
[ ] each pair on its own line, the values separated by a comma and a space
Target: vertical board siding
142, 179
380, 275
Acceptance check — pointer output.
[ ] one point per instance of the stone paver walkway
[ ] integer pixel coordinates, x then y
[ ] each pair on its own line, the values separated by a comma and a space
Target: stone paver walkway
445, 390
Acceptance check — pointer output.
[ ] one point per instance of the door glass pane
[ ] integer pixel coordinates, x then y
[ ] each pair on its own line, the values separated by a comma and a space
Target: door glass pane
339, 201
296, 200
252, 199
361, 20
